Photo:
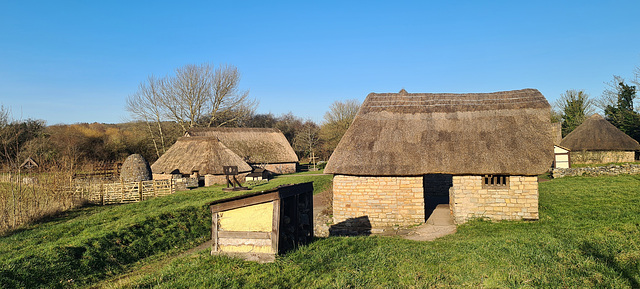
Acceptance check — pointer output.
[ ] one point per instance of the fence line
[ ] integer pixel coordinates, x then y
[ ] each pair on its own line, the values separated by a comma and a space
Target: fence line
118, 193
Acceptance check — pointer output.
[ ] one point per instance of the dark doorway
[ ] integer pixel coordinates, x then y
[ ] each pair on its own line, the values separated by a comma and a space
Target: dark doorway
436, 191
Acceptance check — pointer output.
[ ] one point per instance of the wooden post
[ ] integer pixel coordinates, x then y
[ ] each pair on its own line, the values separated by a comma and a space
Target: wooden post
275, 226
140, 190
214, 231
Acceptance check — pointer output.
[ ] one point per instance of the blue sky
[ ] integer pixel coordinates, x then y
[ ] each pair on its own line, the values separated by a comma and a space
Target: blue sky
77, 61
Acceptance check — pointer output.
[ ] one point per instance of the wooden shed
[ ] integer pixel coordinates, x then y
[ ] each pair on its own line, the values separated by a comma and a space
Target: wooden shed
266, 148
482, 151
562, 157
259, 226
598, 141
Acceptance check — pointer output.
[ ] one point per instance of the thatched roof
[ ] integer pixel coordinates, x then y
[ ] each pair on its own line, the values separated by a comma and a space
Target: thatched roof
254, 145
411, 134
597, 134
203, 154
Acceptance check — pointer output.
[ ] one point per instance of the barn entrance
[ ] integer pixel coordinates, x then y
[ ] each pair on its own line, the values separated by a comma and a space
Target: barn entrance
436, 192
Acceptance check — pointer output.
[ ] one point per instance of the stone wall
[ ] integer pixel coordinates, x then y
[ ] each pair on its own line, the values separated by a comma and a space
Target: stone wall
468, 199
210, 180
601, 157
286, 168
610, 170
384, 201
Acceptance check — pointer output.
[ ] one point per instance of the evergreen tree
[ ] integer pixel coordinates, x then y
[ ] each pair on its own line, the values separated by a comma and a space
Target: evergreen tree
574, 106
622, 115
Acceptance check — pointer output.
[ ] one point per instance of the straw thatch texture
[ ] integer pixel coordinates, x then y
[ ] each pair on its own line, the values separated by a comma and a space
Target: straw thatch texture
411, 134
254, 145
135, 169
597, 134
203, 154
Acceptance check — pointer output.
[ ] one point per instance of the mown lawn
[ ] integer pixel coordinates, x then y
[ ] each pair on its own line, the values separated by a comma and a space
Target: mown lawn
587, 236
83, 246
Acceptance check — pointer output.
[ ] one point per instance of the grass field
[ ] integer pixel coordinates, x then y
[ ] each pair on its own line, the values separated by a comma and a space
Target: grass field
587, 236
83, 246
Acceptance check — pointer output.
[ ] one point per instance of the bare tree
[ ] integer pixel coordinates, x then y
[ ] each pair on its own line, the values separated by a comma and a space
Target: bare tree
337, 120
144, 105
196, 95
307, 140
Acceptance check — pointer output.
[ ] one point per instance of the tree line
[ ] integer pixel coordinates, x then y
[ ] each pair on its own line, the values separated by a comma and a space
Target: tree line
616, 102
162, 110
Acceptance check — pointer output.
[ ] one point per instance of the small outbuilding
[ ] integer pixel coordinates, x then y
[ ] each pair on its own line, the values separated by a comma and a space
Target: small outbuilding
598, 141
480, 153
562, 157
259, 226
202, 157
266, 148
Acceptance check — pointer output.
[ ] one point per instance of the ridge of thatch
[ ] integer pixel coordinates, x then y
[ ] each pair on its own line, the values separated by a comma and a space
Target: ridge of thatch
398, 134
598, 134
254, 145
203, 154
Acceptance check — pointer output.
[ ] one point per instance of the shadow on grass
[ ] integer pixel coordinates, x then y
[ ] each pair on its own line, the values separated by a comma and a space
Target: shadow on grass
629, 274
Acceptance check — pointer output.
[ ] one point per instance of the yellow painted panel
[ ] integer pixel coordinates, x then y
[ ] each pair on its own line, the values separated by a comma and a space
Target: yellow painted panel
562, 158
245, 249
256, 218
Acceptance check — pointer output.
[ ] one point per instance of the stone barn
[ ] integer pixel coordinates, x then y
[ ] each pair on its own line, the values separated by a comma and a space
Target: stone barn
266, 148
405, 153
201, 157
598, 141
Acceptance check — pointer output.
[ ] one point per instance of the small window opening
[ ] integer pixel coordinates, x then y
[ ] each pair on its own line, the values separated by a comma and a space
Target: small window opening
495, 182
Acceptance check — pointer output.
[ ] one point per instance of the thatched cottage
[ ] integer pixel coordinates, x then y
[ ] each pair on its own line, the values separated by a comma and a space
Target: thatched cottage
478, 152
598, 141
266, 148
201, 157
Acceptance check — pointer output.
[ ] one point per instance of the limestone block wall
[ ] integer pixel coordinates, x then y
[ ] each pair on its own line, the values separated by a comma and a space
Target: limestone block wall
601, 157
285, 168
468, 199
385, 201
210, 180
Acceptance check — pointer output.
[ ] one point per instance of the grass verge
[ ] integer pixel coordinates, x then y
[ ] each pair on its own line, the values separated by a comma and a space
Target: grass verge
81, 247
587, 236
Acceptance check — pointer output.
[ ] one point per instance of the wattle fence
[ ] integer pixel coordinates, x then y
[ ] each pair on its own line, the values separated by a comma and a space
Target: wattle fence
119, 193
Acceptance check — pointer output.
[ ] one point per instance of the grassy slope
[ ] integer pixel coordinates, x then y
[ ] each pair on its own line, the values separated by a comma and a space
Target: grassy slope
588, 235
93, 243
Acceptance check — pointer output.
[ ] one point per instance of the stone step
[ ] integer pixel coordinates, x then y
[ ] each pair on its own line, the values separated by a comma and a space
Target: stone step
441, 216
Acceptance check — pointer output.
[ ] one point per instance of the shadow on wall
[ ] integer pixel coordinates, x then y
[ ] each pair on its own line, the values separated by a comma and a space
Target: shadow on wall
360, 226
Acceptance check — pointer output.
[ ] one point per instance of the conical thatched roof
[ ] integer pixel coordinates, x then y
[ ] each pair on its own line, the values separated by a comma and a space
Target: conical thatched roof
203, 154
597, 134
411, 134
254, 145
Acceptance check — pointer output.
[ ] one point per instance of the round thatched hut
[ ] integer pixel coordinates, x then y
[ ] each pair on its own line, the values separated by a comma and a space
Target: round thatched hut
478, 153
205, 157
266, 148
598, 141
135, 169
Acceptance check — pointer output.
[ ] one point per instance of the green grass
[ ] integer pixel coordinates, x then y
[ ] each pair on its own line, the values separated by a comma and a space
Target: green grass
587, 236
83, 246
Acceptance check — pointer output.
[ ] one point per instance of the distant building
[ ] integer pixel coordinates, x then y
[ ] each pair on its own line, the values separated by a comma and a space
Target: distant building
202, 157
598, 141
266, 148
